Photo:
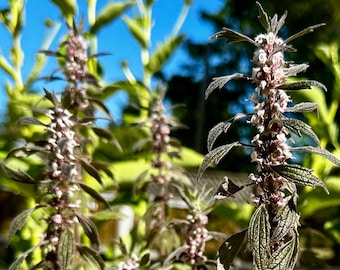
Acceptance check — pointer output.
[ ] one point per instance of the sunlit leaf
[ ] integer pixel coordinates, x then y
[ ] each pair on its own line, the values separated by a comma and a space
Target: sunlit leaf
281, 259
18, 176
232, 36
91, 257
293, 70
259, 237
136, 29
163, 53
263, 17
299, 127
303, 32
230, 248
220, 82
215, 157
299, 175
318, 150
66, 248
90, 230
302, 85
303, 107
67, 7
109, 13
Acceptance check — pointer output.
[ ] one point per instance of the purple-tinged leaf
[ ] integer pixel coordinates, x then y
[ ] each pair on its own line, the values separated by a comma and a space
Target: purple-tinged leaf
232, 36
230, 248
215, 157
66, 248
318, 150
227, 189
299, 175
259, 237
221, 81
18, 176
90, 230
303, 32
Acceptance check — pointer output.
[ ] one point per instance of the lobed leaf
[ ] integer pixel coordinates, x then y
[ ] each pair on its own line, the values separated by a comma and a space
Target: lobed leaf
276, 26
302, 85
299, 127
259, 237
299, 175
303, 32
66, 248
230, 248
318, 150
303, 107
220, 82
90, 230
109, 13
18, 176
232, 36
263, 17
215, 157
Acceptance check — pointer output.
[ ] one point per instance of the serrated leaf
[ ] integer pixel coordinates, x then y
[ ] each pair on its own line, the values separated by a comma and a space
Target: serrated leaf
275, 27
91, 170
287, 220
259, 237
299, 175
90, 230
136, 29
303, 107
66, 248
232, 36
19, 221
94, 194
230, 248
91, 256
293, 70
227, 189
318, 150
18, 176
163, 53
109, 13
220, 82
303, 32
282, 258
27, 120
215, 157
263, 17
215, 132
302, 85
299, 127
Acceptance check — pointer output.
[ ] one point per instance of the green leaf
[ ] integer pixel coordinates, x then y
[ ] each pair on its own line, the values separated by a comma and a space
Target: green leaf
283, 258
68, 8
302, 85
299, 175
16, 265
163, 53
19, 221
230, 248
303, 32
27, 120
287, 220
91, 257
91, 170
18, 176
318, 150
109, 13
303, 107
299, 127
136, 28
94, 194
232, 36
220, 82
259, 237
90, 230
215, 157
66, 248
263, 17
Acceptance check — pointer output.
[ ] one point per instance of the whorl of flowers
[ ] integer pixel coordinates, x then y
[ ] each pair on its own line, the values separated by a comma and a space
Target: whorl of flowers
130, 264
196, 237
272, 231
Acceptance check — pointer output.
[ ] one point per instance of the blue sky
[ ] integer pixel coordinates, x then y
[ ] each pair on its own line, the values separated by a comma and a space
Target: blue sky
114, 39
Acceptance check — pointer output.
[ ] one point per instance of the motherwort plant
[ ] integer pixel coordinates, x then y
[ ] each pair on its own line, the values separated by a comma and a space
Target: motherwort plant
273, 228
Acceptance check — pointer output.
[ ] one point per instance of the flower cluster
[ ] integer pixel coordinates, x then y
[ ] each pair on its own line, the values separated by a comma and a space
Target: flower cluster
75, 67
196, 236
130, 264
